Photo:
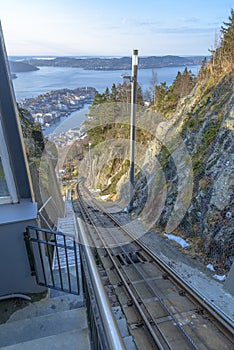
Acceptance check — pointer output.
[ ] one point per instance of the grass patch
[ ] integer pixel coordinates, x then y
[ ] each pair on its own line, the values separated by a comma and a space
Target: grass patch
210, 135
115, 179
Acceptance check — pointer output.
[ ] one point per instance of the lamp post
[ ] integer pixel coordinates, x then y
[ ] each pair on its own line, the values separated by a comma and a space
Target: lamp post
133, 121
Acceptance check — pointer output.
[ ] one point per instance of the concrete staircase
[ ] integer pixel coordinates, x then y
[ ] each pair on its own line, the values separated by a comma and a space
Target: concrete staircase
51, 324
58, 322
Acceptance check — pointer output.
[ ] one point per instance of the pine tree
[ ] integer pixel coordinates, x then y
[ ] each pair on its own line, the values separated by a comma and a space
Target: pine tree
222, 60
114, 94
227, 44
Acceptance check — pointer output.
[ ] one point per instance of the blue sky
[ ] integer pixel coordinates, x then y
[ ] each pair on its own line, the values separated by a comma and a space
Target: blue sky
101, 27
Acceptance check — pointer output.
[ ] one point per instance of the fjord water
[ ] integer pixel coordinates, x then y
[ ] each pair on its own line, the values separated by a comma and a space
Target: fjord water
32, 84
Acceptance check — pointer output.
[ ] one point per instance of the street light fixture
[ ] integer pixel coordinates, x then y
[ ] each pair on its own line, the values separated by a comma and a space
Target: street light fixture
133, 121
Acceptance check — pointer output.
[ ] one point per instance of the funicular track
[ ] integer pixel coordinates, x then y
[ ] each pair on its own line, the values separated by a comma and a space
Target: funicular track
167, 314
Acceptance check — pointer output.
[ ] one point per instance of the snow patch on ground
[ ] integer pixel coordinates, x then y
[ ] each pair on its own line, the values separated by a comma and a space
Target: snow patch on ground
220, 278
177, 239
210, 267
105, 197
217, 277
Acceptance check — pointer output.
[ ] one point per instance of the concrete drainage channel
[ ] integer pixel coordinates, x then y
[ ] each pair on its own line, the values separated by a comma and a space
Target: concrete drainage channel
128, 319
116, 308
123, 327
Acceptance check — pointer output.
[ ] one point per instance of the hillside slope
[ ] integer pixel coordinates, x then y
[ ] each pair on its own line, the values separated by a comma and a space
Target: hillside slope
18, 67
184, 160
184, 167
122, 63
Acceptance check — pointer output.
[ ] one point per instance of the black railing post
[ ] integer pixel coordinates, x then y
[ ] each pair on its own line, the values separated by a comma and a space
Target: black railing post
29, 251
58, 259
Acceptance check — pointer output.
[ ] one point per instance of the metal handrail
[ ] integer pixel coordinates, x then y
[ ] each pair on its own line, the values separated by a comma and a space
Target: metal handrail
114, 339
40, 212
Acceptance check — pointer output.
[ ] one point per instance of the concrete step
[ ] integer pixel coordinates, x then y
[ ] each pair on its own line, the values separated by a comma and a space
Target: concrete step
48, 306
72, 340
43, 326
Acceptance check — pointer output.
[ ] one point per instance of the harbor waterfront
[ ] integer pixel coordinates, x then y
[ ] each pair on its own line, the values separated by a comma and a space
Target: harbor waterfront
32, 84
74, 121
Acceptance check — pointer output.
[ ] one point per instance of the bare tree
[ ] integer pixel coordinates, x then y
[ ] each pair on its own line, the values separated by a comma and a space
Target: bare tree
153, 84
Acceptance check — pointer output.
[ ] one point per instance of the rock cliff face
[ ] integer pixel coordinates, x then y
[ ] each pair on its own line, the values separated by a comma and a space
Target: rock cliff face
199, 179
184, 171
42, 158
211, 213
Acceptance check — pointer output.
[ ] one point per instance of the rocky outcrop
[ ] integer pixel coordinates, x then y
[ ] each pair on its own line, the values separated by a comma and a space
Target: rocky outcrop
199, 198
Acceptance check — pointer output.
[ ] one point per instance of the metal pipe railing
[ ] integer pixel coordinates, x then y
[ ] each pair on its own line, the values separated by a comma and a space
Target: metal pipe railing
113, 336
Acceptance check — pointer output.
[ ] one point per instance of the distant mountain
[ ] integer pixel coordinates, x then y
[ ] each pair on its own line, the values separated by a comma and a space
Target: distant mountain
123, 63
19, 66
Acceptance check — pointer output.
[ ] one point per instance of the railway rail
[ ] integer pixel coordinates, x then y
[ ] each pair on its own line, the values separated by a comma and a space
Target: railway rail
161, 309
